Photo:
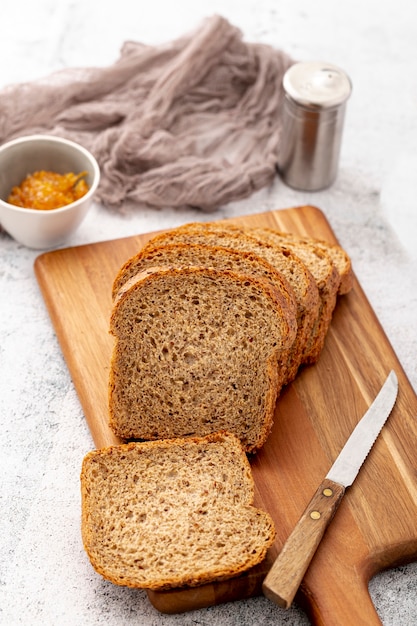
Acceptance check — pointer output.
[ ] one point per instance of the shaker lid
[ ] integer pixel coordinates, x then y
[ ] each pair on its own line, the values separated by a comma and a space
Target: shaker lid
317, 84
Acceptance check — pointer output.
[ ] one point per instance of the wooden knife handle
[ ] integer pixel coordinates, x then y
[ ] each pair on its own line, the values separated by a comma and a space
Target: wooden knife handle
286, 574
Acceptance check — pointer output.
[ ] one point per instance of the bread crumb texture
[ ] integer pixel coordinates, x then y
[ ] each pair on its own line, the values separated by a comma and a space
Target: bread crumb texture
172, 513
210, 321
197, 351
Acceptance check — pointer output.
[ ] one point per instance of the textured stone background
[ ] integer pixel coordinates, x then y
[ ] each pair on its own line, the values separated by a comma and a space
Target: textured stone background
45, 577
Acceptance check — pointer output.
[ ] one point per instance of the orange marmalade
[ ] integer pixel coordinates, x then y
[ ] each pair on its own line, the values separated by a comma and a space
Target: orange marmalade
45, 190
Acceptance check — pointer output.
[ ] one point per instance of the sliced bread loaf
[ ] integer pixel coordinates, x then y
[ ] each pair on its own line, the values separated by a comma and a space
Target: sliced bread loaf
338, 255
240, 261
340, 259
197, 350
283, 260
167, 514
325, 273
316, 260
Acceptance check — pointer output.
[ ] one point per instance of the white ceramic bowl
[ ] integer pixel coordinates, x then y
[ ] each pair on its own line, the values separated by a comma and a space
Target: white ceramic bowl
41, 229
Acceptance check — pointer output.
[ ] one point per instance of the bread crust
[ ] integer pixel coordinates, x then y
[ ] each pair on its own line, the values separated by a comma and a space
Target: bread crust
325, 272
224, 356
328, 266
181, 254
232, 237
173, 513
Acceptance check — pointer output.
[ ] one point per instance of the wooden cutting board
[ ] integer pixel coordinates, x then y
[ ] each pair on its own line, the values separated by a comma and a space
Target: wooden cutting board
376, 525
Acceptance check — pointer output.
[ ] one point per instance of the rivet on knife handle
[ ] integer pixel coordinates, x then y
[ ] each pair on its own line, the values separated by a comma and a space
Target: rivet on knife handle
286, 574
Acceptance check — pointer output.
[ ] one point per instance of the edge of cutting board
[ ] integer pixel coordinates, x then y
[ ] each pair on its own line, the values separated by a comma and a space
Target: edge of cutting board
375, 527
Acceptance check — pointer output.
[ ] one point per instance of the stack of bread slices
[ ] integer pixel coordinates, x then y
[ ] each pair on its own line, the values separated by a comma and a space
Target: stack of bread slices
210, 321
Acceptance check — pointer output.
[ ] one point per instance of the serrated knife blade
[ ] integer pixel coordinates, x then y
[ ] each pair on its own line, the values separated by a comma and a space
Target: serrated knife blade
347, 465
285, 576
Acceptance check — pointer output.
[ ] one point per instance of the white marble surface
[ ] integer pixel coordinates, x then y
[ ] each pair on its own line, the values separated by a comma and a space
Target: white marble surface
45, 577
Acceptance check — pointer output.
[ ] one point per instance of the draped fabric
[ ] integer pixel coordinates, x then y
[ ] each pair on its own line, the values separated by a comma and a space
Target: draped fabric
194, 122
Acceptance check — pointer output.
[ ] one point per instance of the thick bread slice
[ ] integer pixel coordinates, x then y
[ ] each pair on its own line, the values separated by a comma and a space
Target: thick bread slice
197, 350
167, 514
283, 260
201, 255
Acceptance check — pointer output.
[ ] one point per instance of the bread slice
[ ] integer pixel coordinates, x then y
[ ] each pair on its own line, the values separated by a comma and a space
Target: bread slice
340, 259
337, 254
202, 255
167, 514
283, 260
314, 259
197, 350
325, 273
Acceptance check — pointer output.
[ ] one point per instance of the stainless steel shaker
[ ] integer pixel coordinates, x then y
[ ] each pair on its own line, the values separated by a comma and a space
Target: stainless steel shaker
315, 96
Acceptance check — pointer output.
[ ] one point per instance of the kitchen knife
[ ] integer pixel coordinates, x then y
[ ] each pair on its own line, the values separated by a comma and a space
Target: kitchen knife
286, 574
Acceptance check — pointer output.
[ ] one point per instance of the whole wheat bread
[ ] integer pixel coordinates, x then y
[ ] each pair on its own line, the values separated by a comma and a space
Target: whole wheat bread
337, 254
283, 260
197, 350
166, 514
325, 272
315, 257
202, 255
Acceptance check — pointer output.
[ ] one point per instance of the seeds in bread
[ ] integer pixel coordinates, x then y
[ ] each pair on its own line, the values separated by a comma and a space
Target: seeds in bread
166, 514
197, 350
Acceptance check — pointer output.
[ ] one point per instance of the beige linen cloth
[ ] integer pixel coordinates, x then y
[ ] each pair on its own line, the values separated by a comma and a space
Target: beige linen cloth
194, 122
